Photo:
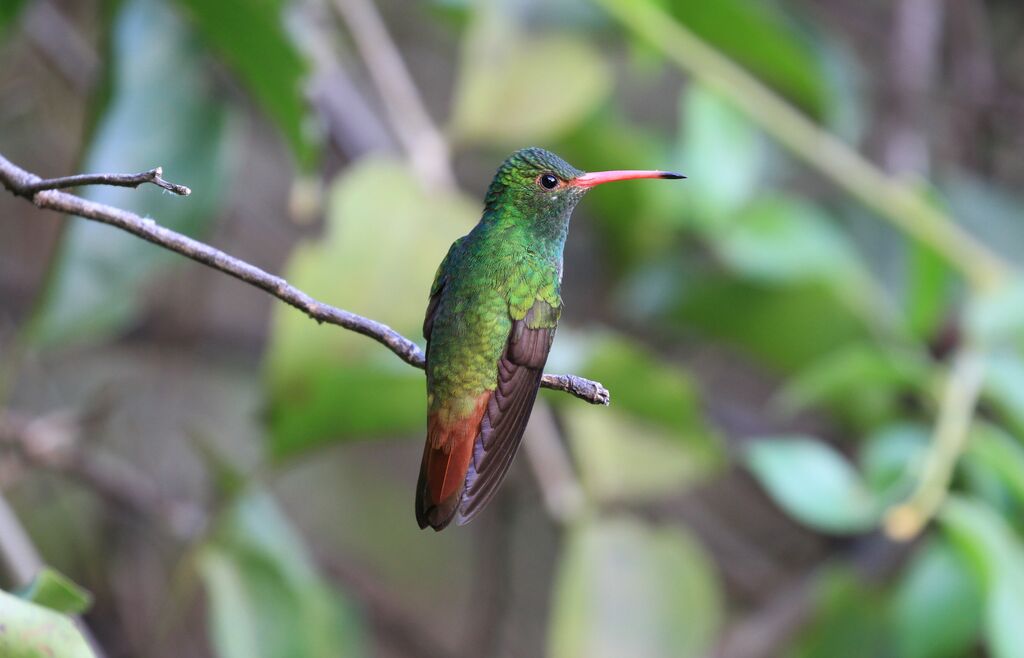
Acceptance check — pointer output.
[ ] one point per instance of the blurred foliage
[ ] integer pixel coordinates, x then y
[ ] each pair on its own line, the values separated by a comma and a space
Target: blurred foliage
814, 484
164, 109
627, 589
760, 38
34, 623
509, 75
852, 325
54, 590
258, 48
266, 598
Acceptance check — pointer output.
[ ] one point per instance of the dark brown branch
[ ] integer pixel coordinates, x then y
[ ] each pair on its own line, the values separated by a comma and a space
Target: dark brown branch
42, 193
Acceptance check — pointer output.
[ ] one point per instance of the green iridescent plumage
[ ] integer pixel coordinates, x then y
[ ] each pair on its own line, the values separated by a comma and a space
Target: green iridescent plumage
511, 259
493, 310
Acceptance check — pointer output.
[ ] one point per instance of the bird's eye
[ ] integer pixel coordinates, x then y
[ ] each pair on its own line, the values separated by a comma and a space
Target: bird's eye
548, 181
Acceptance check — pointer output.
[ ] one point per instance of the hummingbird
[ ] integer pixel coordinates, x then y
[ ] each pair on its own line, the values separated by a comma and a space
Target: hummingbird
494, 306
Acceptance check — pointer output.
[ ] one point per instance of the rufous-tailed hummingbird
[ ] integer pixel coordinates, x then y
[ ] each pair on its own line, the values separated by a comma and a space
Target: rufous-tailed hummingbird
493, 309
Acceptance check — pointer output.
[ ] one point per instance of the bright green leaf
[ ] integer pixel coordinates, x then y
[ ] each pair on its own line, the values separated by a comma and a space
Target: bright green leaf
937, 604
998, 554
56, 591
508, 91
386, 235
813, 483
164, 111
251, 37
927, 290
626, 589
28, 630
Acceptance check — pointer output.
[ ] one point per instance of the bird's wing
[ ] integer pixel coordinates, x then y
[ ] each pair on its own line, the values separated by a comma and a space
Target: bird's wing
440, 278
509, 406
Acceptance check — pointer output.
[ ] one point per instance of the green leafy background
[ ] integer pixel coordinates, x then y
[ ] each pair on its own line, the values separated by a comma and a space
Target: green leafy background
779, 353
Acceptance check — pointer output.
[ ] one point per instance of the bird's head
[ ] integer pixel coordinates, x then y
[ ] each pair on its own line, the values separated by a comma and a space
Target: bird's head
535, 185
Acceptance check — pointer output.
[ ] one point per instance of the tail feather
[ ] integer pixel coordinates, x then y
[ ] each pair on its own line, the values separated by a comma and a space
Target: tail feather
446, 457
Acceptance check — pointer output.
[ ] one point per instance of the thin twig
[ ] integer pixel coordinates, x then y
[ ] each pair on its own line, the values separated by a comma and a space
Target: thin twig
154, 176
24, 184
406, 110
949, 439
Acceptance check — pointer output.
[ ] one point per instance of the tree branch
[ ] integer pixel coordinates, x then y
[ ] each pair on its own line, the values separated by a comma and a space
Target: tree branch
154, 176
42, 194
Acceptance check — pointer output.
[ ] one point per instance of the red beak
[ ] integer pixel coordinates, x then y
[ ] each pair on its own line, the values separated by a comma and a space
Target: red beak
598, 177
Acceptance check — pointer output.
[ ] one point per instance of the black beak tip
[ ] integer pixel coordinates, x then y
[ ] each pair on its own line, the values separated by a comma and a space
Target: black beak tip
671, 175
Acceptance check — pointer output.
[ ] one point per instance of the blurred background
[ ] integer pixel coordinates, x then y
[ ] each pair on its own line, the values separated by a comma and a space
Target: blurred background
813, 345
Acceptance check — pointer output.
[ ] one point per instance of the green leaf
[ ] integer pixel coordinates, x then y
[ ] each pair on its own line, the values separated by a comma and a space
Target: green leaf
385, 238
728, 150
758, 37
266, 599
164, 111
813, 483
515, 89
53, 590
28, 630
863, 383
927, 290
250, 36
936, 606
626, 589
997, 553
